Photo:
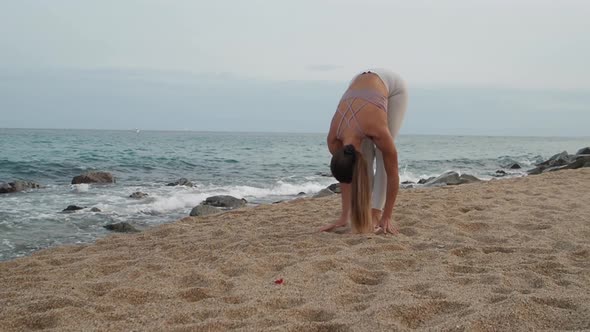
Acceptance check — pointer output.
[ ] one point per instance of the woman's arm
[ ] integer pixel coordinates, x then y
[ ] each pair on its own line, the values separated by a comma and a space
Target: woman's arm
384, 141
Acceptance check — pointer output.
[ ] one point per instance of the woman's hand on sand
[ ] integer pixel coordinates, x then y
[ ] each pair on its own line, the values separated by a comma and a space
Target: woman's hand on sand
386, 227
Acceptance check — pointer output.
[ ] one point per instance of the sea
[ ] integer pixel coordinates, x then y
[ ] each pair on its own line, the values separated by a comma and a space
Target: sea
260, 167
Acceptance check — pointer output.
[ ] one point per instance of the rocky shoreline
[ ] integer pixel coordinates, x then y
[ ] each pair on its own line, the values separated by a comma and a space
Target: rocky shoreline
218, 204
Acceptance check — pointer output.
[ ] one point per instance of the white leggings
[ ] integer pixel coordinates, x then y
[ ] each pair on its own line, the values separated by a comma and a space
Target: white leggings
397, 103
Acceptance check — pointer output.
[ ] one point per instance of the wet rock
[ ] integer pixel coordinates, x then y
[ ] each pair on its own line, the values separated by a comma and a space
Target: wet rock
585, 150
203, 210
424, 181
323, 193
95, 209
138, 195
181, 182
560, 159
94, 177
563, 161
301, 194
514, 166
500, 173
17, 186
335, 188
451, 178
121, 227
225, 201
578, 162
467, 178
72, 208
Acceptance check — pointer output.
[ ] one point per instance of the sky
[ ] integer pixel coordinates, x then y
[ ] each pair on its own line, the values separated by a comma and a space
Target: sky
472, 67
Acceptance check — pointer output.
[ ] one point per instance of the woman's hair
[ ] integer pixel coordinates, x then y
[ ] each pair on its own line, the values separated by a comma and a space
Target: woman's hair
349, 166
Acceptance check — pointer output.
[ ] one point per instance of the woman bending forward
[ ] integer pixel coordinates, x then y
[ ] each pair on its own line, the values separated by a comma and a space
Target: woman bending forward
363, 129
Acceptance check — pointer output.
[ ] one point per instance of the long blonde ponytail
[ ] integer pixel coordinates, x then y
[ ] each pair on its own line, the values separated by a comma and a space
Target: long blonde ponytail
361, 197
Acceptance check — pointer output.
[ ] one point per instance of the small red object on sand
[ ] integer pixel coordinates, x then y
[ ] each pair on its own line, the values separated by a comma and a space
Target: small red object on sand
279, 281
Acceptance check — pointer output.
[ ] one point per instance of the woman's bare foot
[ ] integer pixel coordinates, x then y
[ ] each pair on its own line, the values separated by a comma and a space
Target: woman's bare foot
376, 216
332, 227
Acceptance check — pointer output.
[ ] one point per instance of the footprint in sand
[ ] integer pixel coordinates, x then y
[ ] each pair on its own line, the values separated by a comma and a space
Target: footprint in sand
135, 296
466, 209
503, 250
473, 226
322, 327
466, 269
365, 277
424, 291
352, 299
556, 303
408, 231
402, 265
313, 315
355, 241
532, 227
324, 266
497, 299
99, 288
194, 294
233, 299
193, 279
51, 303
418, 315
283, 303
40, 321
241, 313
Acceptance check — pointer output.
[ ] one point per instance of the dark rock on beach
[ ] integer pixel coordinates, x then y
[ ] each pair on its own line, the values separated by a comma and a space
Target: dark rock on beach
323, 193
94, 177
121, 227
17, 186
203, 210
335, 188
500, 173
95, 209
181, 182
332, 189
577, 162
514, 166
301, 194
423, 181
559, 159
138, 195
215, 204
72, 208
562, 161
225, 201
451, 178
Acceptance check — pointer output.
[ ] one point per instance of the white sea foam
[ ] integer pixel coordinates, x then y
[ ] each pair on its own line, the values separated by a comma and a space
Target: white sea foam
80, 188
7, 243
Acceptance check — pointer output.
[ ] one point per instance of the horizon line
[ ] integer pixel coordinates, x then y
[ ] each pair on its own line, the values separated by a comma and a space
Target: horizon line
286, 132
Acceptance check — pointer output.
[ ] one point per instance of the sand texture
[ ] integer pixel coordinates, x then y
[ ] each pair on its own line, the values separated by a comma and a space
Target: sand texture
503, 255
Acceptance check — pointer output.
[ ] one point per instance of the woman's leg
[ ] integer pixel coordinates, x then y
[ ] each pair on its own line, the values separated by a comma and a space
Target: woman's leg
396, 109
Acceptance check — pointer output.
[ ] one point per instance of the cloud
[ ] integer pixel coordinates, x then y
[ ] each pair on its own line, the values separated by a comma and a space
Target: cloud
323, 67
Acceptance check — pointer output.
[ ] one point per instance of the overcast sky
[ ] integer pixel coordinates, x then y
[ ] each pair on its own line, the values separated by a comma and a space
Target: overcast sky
469, 60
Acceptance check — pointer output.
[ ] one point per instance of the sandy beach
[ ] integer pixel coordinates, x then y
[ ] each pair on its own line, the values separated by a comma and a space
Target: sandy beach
501, 255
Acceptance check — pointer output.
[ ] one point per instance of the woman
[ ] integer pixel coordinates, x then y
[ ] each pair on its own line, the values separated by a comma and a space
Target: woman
367, 120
